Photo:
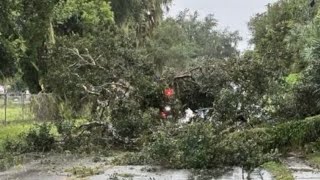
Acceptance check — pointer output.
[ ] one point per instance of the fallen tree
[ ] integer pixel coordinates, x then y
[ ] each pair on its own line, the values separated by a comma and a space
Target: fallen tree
202, 145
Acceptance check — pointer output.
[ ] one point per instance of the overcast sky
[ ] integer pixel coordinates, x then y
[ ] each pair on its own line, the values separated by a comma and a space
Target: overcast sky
231, 14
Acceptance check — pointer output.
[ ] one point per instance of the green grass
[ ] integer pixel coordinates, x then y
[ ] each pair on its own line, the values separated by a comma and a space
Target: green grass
18, 121
83, 171
278, 170
126, 175
17, 124
12, 131
15, 113
314, 159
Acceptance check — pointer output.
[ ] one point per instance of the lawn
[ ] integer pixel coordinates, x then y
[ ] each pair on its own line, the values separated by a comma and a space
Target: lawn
278, 170
19, 120
12, 131
15, 113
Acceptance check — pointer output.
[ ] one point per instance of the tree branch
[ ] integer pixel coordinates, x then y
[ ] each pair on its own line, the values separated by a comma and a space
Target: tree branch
187, 74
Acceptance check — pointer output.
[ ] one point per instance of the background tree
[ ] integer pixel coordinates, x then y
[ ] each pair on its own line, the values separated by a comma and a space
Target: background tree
272, 34
183, 41
140, 15
11, 45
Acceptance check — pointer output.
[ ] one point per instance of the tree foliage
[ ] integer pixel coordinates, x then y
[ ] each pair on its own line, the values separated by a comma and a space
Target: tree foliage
180, 42
117, 56
140, 15
273, 34
285, 39
10, 42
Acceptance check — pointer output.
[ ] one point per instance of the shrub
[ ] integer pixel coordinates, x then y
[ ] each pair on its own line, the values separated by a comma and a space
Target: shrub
86, 138
15, 145
130, 122
192, 146
40, 138
247, 149
163, 150
66, 129
130, 158
197, 145
201, 145
296, 133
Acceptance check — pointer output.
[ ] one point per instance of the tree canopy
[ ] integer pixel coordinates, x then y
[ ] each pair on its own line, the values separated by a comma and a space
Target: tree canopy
67, 47
103, 67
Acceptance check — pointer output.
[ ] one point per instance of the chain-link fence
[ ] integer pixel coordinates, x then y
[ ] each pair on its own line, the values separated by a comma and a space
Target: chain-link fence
25, 107
15, 107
